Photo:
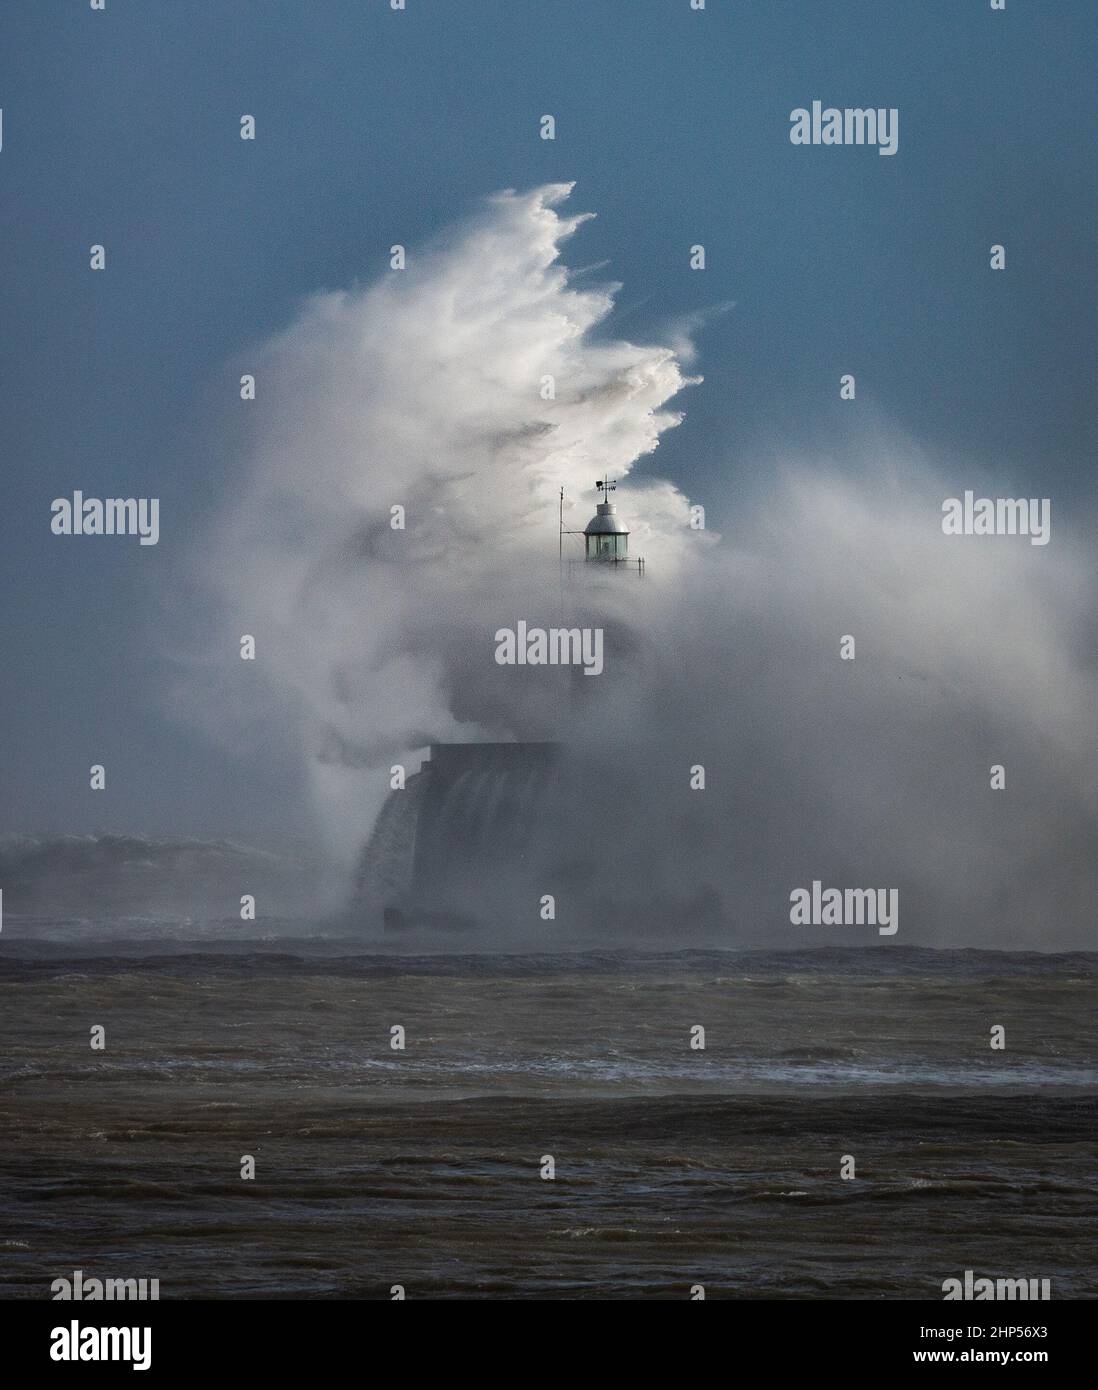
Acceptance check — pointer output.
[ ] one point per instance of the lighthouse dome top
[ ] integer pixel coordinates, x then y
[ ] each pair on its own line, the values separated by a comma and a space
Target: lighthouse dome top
606, 522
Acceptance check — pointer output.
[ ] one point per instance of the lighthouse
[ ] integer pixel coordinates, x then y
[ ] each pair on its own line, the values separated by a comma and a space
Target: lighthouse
465, 837
606, 536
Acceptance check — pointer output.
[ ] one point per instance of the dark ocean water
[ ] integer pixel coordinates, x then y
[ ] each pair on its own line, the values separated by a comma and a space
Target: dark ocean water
422, 1168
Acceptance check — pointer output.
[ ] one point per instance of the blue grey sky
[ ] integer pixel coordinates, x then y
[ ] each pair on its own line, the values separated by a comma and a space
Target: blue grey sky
375, 127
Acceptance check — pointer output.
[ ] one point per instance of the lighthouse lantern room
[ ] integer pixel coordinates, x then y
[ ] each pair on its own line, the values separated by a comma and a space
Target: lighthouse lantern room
606, 537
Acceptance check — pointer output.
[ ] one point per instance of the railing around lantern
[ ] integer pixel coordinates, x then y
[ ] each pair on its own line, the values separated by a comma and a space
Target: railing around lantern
609, 562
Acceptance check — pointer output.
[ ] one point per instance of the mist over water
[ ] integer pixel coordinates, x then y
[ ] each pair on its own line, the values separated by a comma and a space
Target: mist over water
425, 391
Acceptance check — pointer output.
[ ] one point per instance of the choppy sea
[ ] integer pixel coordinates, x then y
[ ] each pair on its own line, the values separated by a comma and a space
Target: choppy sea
674, 1165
